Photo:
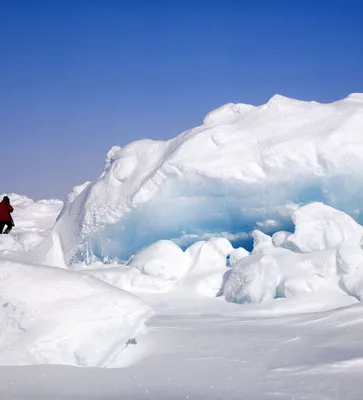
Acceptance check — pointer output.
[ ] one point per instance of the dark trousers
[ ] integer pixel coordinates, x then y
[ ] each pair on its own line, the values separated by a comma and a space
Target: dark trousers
8, 224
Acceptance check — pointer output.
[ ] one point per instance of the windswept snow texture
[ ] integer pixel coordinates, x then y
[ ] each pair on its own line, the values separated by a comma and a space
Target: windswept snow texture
246, 167
54, 316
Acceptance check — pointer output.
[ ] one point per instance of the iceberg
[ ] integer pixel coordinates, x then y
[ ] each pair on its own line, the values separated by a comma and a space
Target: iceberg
245, 168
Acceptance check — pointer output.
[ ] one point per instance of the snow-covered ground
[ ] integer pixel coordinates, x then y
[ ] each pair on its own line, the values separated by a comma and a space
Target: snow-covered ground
208, 349
195, 315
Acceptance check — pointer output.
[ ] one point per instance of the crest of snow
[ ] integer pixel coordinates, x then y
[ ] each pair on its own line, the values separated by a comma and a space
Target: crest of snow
262, 243
281, 239
77, 190
53, 316
318, 227
242, 166
237, 254
208, 266
226, 114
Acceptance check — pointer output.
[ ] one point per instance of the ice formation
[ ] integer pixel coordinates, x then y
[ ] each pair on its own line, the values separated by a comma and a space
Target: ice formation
327, 255
244, 168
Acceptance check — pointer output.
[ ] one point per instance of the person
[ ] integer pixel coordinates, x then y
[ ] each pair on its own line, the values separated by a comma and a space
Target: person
5, 215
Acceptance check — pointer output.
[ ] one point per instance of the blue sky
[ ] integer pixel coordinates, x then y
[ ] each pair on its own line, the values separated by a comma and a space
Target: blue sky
77, 77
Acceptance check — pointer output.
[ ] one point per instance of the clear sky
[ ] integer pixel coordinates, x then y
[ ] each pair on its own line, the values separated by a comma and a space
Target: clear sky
77, 77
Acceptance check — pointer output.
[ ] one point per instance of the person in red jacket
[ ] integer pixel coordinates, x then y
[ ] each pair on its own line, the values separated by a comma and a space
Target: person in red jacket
5, 215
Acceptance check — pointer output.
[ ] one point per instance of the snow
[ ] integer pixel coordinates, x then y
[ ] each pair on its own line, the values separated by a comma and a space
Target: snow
208, 266
224, 263
163, 259
321, 227
52, 316
163, 266
33, 220
245, 168
327, 254
237, 254
202, 348
254, 281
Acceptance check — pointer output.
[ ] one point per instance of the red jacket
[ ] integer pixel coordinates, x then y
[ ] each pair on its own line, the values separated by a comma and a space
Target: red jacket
5, 210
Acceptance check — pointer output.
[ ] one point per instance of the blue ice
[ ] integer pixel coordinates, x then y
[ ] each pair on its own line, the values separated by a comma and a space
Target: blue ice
191, 208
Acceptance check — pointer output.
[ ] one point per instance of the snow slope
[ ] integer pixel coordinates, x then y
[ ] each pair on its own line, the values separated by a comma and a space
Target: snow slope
53, 316
246, 167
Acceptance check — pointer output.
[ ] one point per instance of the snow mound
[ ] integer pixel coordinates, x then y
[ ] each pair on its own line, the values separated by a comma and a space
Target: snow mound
163, 259
246, 167
327, 256
253, 281
164, 266
54, 316
319, 227
208, 266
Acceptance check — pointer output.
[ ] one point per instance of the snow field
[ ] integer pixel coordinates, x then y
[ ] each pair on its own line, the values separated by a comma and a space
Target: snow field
51, 315
225, 214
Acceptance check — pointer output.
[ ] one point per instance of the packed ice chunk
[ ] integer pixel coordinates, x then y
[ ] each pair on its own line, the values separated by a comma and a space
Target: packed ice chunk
163, 259
282, 239
163, 266
262, 243
208, 266
283, 273
244, 168
318, 227
237, 254
323, 253
54, 316
254, 280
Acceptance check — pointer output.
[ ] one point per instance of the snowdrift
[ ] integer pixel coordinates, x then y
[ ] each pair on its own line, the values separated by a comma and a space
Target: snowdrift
244, 168
163, 266
54, 316
324, 253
